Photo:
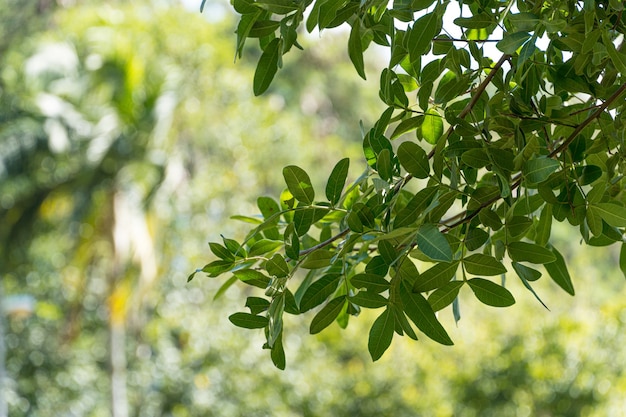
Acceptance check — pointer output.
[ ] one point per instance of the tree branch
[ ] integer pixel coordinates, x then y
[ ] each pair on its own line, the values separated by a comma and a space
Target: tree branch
587, 121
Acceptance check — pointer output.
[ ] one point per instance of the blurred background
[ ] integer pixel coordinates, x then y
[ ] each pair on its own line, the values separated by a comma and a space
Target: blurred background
128, 136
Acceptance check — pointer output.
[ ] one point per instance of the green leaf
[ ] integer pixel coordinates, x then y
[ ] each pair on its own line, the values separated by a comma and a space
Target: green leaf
216, 268
381, 334
407, 125
444, 296
618, 58
525, 272
269, 209
257, 304
421, 35
558, 272
292, 242
371, 282
319, 291
529, 252
414, 159
383, 165
327, 314
594, 220
491, 293
522, 273
538, 170
248, 321
476, 158
317, 259
544, 226
355, 48
278, 353
512, 41
252, 277
479, 264
613, 214
433, 243
277, 266
299, 184
411, 212
432, 128
421, 313
475, 238
435, 277
221, 252
478, 21
337, 181
263, 246
369, 299
267, 67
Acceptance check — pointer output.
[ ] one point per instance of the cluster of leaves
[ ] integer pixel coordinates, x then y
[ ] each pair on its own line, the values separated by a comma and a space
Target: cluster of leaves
500, 149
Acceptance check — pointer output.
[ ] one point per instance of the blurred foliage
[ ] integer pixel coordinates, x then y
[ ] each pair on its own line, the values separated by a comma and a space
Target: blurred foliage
124, 132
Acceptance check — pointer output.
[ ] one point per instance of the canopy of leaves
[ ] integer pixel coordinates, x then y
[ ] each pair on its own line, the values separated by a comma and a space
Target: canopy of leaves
502, 118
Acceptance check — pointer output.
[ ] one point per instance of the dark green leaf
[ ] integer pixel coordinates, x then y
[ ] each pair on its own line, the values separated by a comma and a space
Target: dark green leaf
479, 264
475, 238
257, 305
263, 246
355, 48
525, 272
529, 252
411, 212
433, 243
512, 41
381, 334
544, 226
491, 293
278, 353
369, 299
327, 314
421, 313
444, 296
539, 169
421, 35
221, 252
277, 266
383, 165
558, 272
317, 259
481, 20
371, 282
435, 277
216, 268
267, 67
414, 159
613, 214
406, 126
252, 277
337, 180
299, 184
292, 243
319, 291
248, 321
